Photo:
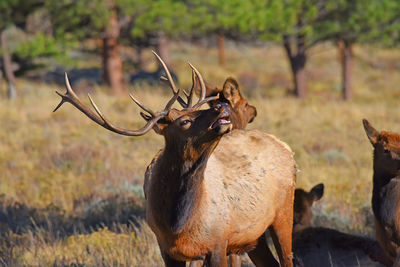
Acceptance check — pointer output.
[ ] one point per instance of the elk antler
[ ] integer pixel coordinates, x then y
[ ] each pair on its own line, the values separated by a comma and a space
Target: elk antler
100, 119
195, 76
170, 80
151, 119
190, 95
169, 77
202, 99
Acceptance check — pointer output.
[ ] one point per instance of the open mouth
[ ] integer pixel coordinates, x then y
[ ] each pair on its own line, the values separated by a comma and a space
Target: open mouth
224, 120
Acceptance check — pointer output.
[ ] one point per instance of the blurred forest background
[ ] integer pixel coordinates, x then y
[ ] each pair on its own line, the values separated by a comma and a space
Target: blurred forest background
71, 193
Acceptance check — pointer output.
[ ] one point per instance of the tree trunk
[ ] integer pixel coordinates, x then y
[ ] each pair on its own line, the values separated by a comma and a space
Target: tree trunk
297, 61
298, 64
112, 62
7, 66
141, 62
221, 50
162, 47
1, 78
346, 58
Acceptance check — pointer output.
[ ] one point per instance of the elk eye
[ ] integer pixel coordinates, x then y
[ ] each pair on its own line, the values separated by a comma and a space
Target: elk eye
185, 122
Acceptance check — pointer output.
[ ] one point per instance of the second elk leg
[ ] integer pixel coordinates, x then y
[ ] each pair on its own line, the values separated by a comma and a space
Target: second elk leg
261, 255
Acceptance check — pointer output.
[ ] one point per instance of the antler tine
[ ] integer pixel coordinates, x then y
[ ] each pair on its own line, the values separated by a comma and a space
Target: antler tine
190, 96
106, 122
202, 84
186, 94
108, 125
100, 119
141, 106
180, 100
172, 101
171, 81
200, 103
61, 102
68, 94
145, 116
72, 98
172, 84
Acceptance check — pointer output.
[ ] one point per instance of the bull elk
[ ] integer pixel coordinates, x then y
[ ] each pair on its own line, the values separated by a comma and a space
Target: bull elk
210, 193
324, 247
386, 190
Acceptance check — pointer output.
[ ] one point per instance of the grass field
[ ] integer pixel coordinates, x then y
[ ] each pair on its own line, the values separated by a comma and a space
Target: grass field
71, 192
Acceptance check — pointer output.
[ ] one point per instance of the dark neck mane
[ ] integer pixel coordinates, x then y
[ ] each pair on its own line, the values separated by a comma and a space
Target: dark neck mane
181, 174
381, 178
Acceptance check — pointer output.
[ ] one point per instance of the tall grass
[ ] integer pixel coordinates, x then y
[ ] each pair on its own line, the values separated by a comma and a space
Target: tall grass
70, 192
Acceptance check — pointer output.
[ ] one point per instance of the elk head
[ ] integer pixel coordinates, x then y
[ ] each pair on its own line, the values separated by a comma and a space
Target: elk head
303, 201
386, 150
189, 127
241, 112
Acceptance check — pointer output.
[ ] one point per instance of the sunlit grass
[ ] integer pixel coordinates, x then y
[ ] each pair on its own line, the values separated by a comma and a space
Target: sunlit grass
70, 191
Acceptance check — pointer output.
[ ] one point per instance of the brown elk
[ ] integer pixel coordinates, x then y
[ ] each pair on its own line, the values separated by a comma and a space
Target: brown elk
386, 190
318, 246
303, 201
241, 112
324, 247
208, 196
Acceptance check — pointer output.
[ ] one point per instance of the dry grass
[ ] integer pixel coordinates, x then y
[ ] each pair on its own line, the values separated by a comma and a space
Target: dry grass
70, 192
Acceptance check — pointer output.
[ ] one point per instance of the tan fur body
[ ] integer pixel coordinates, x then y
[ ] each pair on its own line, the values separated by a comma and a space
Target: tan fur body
249, 179
241, 113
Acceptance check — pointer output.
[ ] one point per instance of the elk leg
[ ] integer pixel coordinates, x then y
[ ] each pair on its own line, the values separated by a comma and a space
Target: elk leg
261, 255
170, 262
234, 260
281, 233
217, 258
196, 263
397, 261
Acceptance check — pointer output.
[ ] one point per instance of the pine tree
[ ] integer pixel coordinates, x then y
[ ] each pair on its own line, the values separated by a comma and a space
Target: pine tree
92, 19
158, 20
13, 13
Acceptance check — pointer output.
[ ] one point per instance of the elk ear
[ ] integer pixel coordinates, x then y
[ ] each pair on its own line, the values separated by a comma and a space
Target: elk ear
317, 192
173, 114
371, 132
161, 124
158, 127
231, 91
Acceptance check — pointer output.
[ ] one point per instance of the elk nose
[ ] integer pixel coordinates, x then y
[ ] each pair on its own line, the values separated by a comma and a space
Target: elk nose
222, 105
224, 108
